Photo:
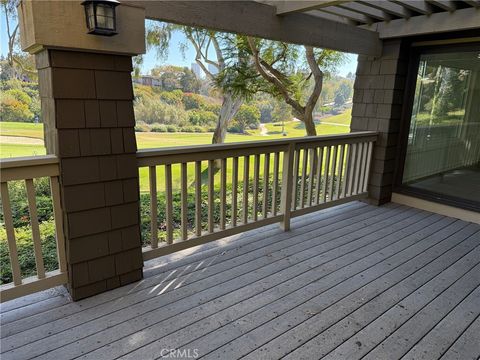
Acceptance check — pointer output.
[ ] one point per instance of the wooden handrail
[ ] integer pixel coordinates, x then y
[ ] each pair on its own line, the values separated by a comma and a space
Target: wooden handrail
28, 167
147, 157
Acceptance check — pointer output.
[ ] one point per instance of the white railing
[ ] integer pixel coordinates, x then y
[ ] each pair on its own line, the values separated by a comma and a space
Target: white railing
291, 177
26, 170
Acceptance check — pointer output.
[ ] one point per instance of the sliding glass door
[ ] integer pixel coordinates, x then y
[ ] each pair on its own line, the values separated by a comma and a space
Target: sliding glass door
443, 146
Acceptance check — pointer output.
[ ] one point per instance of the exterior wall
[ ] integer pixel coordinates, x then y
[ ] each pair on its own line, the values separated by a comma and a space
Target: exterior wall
377, 106
89, 124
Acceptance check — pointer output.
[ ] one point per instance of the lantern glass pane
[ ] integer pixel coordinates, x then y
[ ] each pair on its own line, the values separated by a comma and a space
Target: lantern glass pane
105, 17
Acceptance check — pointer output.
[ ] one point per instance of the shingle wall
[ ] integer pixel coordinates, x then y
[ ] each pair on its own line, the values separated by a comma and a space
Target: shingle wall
377, 105
89, 124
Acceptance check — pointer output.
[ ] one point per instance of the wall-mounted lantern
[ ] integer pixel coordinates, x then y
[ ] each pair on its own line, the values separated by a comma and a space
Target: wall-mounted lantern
100, 14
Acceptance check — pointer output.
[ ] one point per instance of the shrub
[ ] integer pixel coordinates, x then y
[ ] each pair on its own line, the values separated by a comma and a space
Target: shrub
154, 111
142, 127
171, 128
201, 117
159, 128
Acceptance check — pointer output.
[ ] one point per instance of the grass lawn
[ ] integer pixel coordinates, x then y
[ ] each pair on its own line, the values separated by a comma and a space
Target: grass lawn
21, 129
158, 140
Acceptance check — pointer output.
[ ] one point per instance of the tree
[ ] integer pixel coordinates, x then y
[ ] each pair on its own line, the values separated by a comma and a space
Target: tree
342, 94
22, 63
247, 117
277, 63
203, 41
209, 53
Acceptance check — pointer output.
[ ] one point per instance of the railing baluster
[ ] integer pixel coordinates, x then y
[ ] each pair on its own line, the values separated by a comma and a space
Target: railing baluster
246, 176
340, 172
256, 178
296, 166
37, 242
313, 155
304, 178
347, 170
58, 218
184, 200
319, 175
211, 174
276, 163
367, 166
362, 167
169, 201
198, 198
12, 245
325, 181
266, 180
357, 168
351, 169
223, 193
234, 191
287, 185
153, 206
332, 171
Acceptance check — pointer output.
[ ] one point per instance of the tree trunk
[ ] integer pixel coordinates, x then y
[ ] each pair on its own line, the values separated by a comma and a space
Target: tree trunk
230, 106
309, 123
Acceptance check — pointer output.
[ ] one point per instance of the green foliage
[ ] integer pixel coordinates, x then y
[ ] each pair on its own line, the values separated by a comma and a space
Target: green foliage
202, 117
19, 101
23, 233
150, 110
247, 117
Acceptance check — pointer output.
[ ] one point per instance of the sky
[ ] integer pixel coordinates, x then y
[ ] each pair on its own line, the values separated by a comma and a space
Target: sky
175, 56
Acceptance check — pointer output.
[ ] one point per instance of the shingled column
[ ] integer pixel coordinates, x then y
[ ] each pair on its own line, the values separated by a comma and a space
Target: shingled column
87, 109
377, 106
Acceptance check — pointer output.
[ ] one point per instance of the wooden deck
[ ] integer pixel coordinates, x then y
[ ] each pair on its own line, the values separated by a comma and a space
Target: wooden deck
354, 281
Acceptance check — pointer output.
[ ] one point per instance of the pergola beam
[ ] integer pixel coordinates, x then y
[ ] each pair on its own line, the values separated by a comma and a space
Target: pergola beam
261, 20
287, 7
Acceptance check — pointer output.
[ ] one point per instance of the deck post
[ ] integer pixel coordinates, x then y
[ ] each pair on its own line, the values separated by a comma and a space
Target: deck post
87, 111
377, 106
287, 186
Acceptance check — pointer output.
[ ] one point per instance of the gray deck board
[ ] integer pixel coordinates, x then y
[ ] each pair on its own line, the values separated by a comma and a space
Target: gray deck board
353, 274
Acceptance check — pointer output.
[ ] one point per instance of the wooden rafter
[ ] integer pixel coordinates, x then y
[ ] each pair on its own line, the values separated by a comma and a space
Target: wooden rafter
447, 5
389, 7
421, 7
349, 14
287, 7
366, 10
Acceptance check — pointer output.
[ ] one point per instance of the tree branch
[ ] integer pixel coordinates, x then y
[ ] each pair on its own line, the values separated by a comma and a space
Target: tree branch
262, 67
317, 76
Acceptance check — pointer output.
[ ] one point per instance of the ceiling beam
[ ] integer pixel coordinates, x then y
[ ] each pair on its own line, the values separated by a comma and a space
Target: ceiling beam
261, 20
367, 10
419, 6
287, 7
462, 19
389, 7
